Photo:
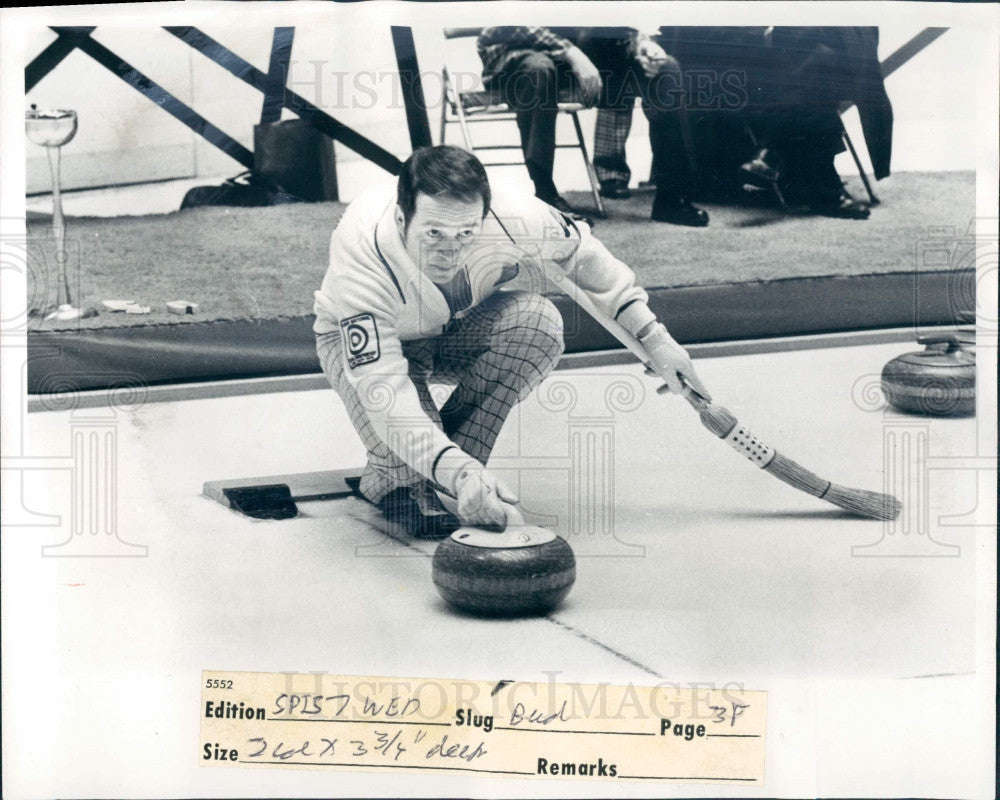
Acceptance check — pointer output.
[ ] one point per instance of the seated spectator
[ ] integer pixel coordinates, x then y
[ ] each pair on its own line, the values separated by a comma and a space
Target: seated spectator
718, 63
794, 109
609, 68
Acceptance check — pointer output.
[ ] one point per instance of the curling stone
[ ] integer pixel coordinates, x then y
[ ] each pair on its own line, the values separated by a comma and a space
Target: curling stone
939, 380
521, 571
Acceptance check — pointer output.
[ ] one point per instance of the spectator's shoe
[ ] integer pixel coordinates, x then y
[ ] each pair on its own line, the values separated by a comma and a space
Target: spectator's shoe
559, 203
842, 206
615, 190
400, 508
678, 211
764, 170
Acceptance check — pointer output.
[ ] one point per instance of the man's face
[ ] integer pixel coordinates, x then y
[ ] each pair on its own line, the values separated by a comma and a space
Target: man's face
440, 232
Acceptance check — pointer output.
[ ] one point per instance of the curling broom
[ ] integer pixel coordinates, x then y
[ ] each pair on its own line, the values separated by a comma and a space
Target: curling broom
721, 422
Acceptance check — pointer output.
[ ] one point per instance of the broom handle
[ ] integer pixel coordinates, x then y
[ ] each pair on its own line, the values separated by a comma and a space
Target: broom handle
612, 326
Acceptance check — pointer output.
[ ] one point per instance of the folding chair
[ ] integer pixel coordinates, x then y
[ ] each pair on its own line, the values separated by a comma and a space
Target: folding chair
873, 200
483, 105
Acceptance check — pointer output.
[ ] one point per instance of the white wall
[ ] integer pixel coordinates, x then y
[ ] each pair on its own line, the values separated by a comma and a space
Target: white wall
125, 138
122, 137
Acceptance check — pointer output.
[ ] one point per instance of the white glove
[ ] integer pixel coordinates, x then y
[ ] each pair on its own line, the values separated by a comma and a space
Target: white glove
669, 360
483, 499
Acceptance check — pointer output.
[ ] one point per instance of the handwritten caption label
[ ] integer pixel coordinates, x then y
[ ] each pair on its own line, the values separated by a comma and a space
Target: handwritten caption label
565, 730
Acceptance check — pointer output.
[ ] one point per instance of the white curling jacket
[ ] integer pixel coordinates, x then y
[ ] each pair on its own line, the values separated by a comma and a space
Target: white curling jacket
376, 298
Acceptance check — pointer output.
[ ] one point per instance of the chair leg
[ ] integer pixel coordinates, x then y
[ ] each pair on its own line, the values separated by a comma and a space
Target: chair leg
591, 173
756, 143
444, 113
451, 97
463, 125
873, 200
779, 195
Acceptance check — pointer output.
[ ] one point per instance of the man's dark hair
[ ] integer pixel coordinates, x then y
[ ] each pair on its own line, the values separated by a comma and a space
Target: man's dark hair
442, 171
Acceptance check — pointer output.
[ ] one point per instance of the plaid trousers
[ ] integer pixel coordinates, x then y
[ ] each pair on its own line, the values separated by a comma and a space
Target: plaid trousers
610, 134
495, 356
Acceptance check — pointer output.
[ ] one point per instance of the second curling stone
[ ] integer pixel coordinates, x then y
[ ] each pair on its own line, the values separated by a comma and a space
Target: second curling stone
939, 380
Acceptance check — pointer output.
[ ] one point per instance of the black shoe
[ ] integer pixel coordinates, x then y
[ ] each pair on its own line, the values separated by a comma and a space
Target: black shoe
842, 206
400, 508
559, 203
678, 211
615, 190
763, 170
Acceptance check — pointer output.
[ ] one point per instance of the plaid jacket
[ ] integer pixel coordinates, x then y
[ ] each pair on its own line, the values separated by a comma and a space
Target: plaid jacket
500, 44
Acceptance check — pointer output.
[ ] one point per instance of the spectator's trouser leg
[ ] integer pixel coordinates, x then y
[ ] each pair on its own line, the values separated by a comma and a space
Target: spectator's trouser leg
610, 134
530, 87
663, 102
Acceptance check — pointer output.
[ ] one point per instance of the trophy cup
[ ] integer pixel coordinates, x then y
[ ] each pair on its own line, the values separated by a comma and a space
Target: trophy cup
51, 130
